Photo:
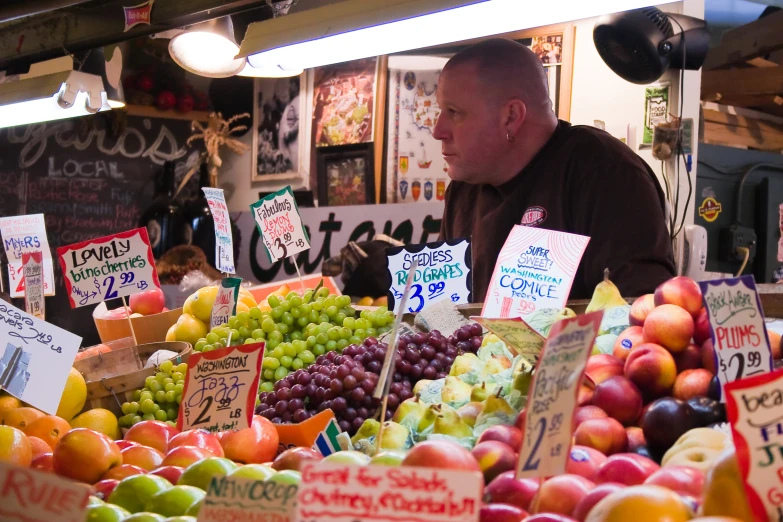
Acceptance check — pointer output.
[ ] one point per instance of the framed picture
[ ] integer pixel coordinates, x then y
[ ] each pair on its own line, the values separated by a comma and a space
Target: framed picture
279, 148
346, 175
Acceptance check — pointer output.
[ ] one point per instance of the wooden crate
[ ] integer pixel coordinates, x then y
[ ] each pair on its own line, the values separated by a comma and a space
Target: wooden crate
738, 127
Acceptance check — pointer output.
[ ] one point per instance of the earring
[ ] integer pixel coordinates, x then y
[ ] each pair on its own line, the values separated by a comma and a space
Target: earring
509, 137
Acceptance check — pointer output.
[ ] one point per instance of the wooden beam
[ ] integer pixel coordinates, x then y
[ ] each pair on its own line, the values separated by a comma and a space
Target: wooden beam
761, 62
720, 133
381, 88
746, 42
750, 81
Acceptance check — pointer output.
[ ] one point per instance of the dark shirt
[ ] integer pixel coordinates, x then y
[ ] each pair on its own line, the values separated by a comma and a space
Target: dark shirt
583, 181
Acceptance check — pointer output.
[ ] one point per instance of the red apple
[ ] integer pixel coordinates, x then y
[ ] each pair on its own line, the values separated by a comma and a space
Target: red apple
605, 435
688, 359
508, 435
652, 369
561, 493
170, 473
519, 423
142, 456
640, 309
103, 488
122, 444
669, 326
602, 366
43, 462
548, 517
584, 395
619, 398
254, 445
626, 468
635, 438
692, 383
587, 502
708, 357
680, 479
701, 327
441, 454
627, 340
582, 413
295, 458
507, 489
123, 471
584, 461
148, 302
165, 100
494, 458
199, 439
154, 434
680, 291
501, 513
184, 456
85, 455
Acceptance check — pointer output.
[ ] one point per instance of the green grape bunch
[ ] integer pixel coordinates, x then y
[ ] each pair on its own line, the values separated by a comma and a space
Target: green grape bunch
159, 399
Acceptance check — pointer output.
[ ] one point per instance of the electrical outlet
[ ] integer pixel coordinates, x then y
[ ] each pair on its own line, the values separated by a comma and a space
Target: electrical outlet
737, 236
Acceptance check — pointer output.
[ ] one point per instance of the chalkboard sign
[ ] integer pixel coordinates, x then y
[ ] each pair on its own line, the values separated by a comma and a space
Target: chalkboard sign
90, 177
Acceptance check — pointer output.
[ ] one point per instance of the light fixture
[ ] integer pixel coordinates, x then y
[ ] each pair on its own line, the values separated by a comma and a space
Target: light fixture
356, 29
109, 71
208, 49
56, 96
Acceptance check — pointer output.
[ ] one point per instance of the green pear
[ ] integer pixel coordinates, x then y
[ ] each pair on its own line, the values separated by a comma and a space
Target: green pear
421, 386
464, 363
413, 407
368, 429
479, 392
605, 296
497, 364
470, 412
455, 390
565, 313
428, 419
522, 382
497, 404
448, 422
389, 458
395, 436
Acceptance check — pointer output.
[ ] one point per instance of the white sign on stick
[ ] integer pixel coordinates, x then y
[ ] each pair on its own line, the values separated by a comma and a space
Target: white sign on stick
23, 234
280, 225
224, 242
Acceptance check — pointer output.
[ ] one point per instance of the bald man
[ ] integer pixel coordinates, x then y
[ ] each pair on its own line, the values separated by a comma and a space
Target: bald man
512, 162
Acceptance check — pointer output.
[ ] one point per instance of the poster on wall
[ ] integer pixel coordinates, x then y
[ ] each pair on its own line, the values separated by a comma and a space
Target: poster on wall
417, 171
279, 149
549, 49
343, 103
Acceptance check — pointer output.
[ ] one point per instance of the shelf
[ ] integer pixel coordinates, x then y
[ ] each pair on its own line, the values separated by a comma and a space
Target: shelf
152, 112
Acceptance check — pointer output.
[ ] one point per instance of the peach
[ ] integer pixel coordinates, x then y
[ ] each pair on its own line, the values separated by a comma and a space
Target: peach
122, 444
519, 423
441, 454
680, 291
701, 327
44, 462
199, 439
774, 344
587, 502
626, 468
619, 398
605, 435
688, 359
561, 493
683, 480
640, 309
709, 358
508, 435
501, 513
584, 461
548, 517
494, 458
627, 340
154, 434
254, 445
170, 473
103, 488
635, 438
652, 369
507, 489
602, 366
669, 326
692, 383
142, 456
123, 471
184, 456
584, 395
295, 458
582, 413
85, 455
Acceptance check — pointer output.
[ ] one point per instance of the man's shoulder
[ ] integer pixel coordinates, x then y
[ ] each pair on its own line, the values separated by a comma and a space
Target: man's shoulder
593, 140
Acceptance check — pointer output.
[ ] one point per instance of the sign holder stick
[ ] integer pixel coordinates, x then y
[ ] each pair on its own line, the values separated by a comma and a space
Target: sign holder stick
130, 323
384, 382
301, 281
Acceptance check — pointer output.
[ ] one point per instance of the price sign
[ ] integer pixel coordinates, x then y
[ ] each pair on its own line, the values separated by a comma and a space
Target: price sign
236, 498
35, 358
517, 334
26, 234
552, 397
443, 272
280, 225
224, 242
737, 326
32, 263
753, 410
535, 269
108, 267
225, 301
344, 493
221, 388
28, 495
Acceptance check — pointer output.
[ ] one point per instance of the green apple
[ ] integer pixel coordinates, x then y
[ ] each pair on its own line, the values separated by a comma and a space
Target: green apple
348, 457
94, 501
174, 501
287, 476
194, 509
200, 473
145, 517
253, 471
104, 513
181, 519
388, 458
133, 493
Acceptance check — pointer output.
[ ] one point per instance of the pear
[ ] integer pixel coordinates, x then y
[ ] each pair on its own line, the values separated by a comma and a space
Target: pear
479, 393
497, 364
395, 436
565, 313
522, 381
463, 364
414, 407
428, 419
448, 422
420, 386
605, 296
470, 412
455, 390
369, 428
496, 403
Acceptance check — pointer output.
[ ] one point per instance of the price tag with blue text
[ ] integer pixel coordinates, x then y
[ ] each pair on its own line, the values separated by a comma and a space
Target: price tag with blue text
552, 398
280, 225
443, 272
108, 267
221, 387
35, 358
224, 240
739, 336
22, 234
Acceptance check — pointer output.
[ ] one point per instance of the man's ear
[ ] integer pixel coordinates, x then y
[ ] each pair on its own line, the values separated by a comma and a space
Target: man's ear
514, 115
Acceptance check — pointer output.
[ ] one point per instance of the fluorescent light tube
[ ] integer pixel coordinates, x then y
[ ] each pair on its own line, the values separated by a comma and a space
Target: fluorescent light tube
357, 29
268, 72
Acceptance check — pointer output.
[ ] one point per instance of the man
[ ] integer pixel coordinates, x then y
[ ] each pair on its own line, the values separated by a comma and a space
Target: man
513, 162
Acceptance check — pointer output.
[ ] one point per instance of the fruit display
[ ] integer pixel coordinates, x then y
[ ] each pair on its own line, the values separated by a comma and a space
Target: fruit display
159, 399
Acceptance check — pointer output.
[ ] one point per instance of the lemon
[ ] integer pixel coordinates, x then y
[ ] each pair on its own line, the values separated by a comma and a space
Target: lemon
246, 298
201, 305
9, 402
171, 335
186, 306
242, 307
100, 420
74, 396
189, 329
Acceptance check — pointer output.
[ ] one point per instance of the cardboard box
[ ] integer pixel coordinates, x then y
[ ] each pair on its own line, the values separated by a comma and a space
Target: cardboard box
148, 329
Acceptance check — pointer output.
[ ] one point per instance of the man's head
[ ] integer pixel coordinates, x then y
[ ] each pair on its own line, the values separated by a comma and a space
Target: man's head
495, 111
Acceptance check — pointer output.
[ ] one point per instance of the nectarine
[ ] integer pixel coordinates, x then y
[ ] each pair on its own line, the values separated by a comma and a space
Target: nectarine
669, 326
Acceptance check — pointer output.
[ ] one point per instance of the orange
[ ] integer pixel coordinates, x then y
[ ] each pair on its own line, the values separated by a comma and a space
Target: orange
49, 429
15, 448
21, 417
640, 504
39, 446
717, 519
8, 403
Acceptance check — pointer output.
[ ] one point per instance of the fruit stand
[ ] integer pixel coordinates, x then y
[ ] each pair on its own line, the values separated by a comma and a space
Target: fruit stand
650, 439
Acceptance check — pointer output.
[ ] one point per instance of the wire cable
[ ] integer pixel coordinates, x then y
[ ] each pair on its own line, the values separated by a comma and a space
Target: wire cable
745, 252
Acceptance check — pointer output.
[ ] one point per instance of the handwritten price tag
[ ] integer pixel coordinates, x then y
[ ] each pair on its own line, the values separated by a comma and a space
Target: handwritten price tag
517, 334
108, 267
32, 263
26, 234
221, 388
443, 272
753, 410
552, 397
235, 498
225, 301
535, 269
27, 495
224, 241
35, 357
280, 225
344, 493
737, 325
